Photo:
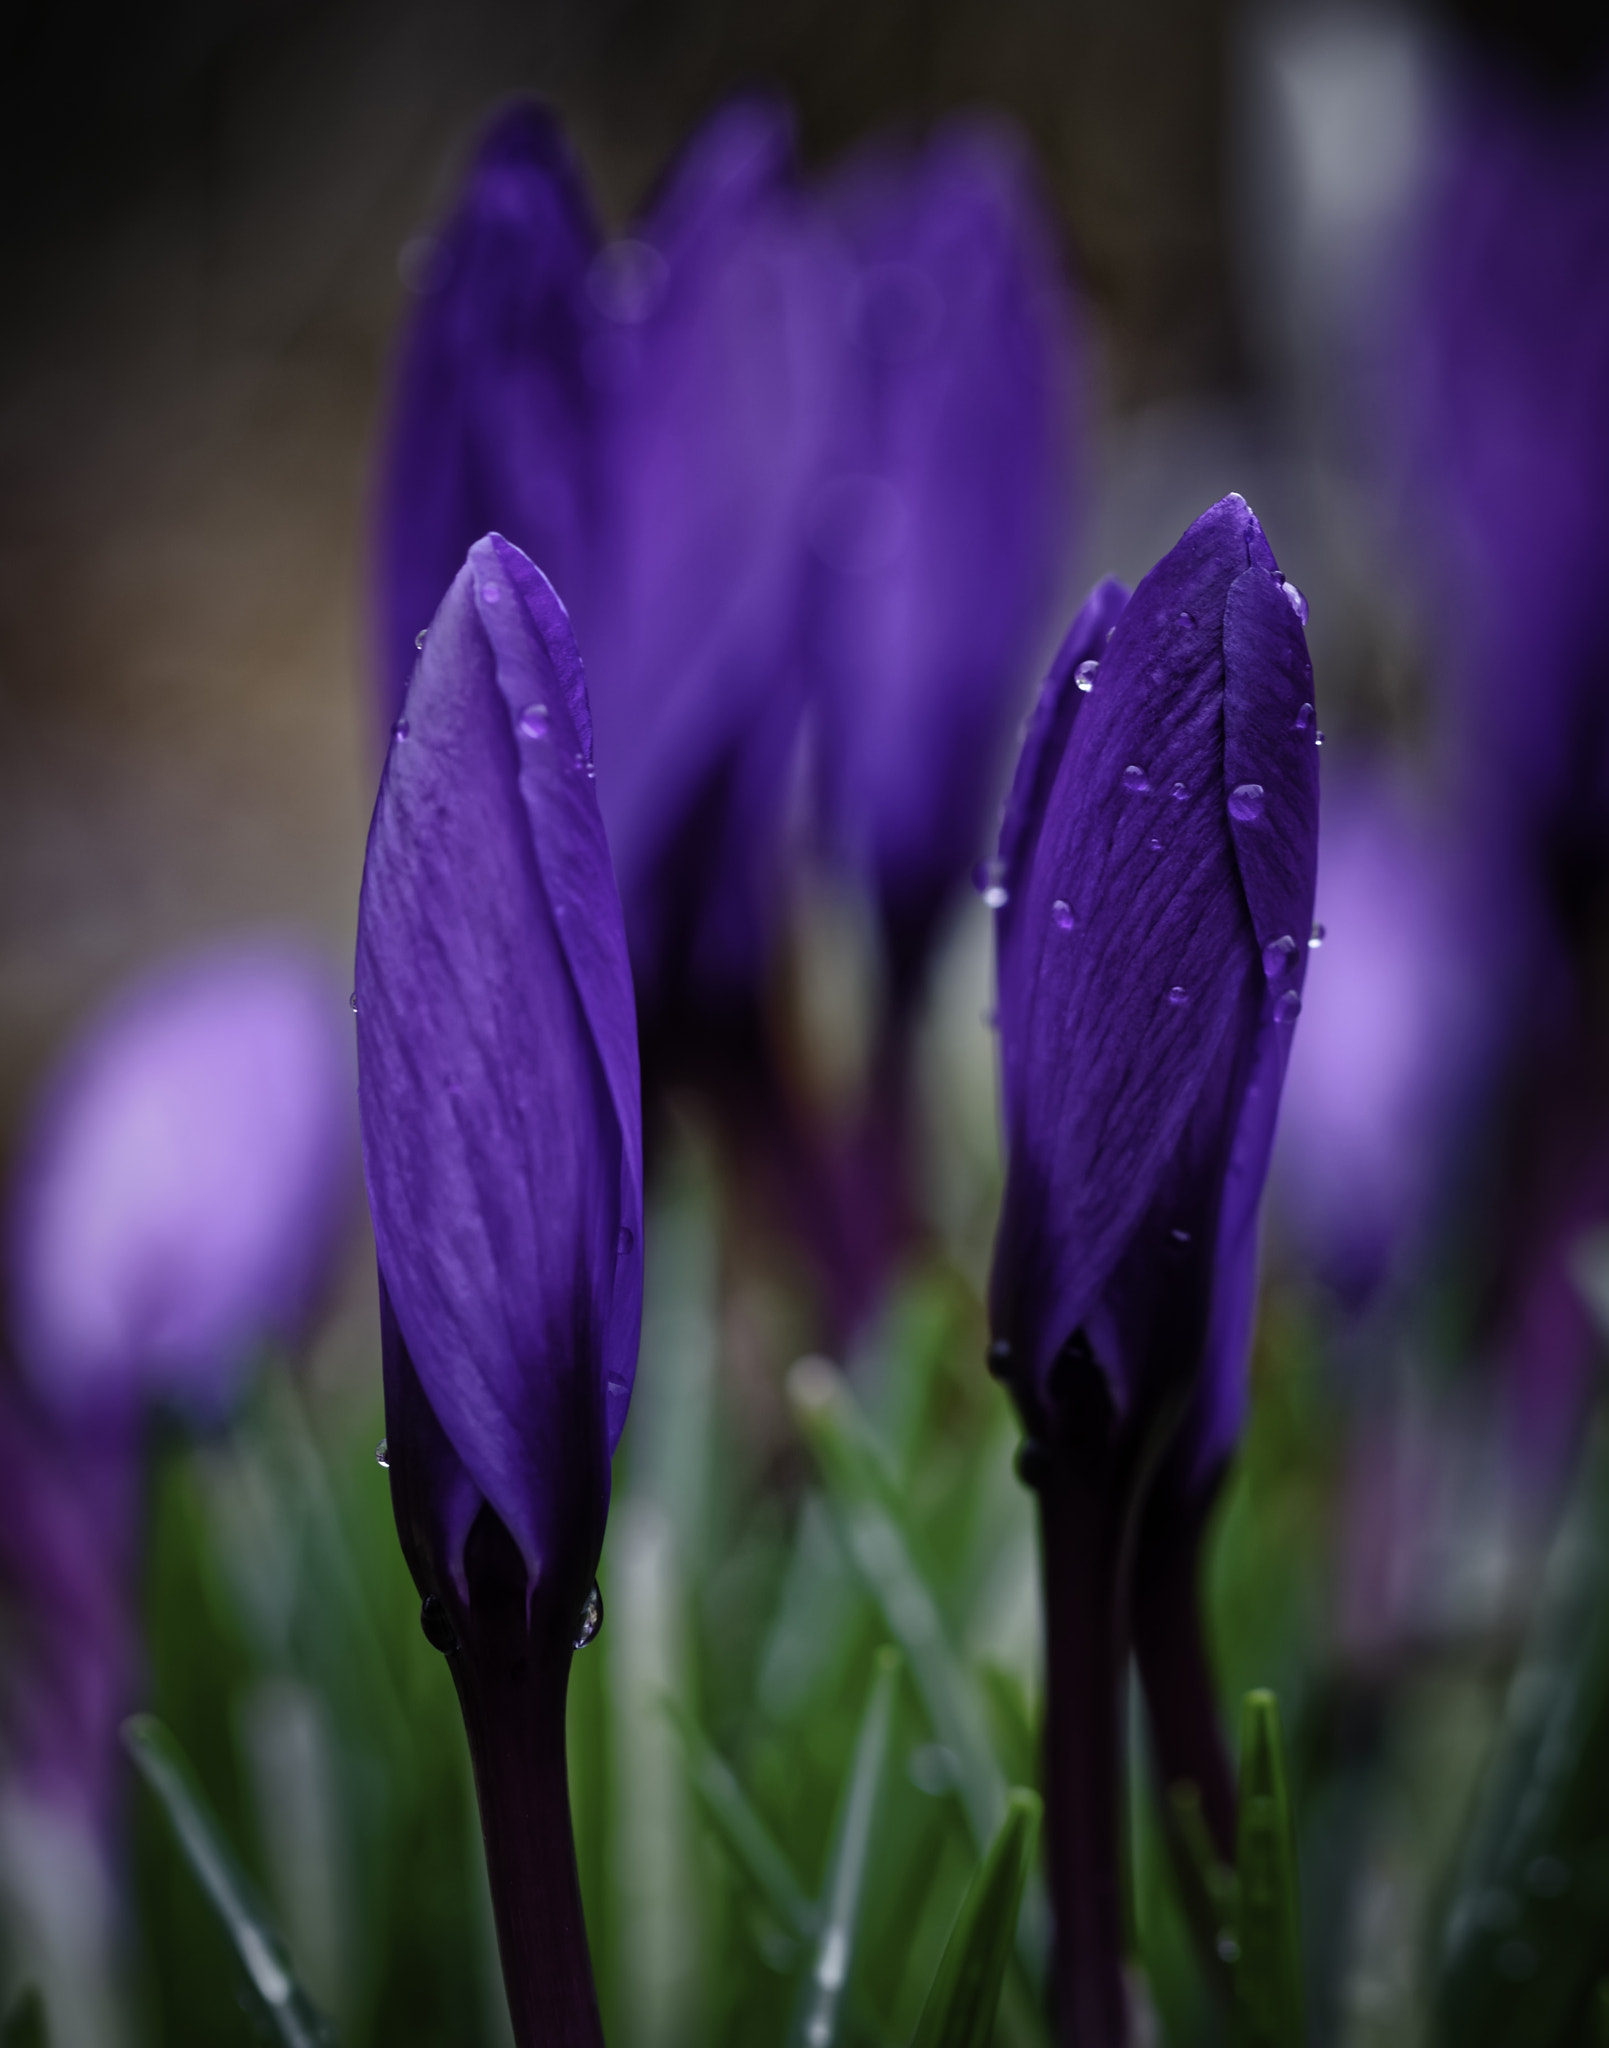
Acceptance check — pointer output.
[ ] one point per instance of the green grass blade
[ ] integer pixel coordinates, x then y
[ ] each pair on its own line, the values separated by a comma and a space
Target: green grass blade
24, 2025
961, 2006
166, 1769
860, 1491
1206, 1888
820, 2007
1268, 1971
728, 1807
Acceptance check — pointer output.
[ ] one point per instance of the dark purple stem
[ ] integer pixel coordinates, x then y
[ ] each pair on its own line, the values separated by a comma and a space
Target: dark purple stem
1082, 1524
512, 1682
1175, 1670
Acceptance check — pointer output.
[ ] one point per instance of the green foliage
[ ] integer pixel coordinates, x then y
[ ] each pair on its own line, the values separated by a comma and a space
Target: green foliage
261, 1954
1268, 1935
960, 2009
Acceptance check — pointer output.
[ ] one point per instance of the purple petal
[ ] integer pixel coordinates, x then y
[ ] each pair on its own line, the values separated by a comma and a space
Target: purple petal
940, 534
179, 1194
718, 416
493, 415
497, 1056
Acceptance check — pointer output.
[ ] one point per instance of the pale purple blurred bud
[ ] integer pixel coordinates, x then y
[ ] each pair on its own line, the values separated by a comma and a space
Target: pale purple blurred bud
180, 1191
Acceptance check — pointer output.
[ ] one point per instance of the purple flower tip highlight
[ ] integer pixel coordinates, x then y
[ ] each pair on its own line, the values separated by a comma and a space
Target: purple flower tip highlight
179, 1195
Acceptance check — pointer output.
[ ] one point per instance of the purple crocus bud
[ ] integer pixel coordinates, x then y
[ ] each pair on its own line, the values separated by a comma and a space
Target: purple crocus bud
941, 528
1156, 893
179, 1193
1391, 1043
493, 413
502, 1140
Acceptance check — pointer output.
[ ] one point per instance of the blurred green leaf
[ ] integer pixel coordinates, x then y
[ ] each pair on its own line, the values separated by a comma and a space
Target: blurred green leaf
817, 2016
1268, 1970
1207, 1889
723, 1799
862, 1494
24, 2025
1522, 1944
961, 2007
166, 1769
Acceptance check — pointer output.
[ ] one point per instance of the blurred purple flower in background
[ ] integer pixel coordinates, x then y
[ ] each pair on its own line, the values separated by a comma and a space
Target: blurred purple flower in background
1154, 897
1391, 1046
180, 1187
177, 1205
1502, 395
798, 467
503, 1151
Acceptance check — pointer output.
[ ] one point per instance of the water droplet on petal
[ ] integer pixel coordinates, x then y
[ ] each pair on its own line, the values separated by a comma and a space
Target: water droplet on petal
438, 1629
1316, 938
1135, 780
352, 1002
421, 636
616, 1385
1246, 803
490, 594
1288, 1008
1061, 915
1304, 718
1294, 598
1179, 793
1318, 739
591, 1619
382, 1455
534, 721
400, 730
989, 879
1156, 845
1180, 1236
1186, 619
1277, 956
1178, 997
1084, 675
625, 1243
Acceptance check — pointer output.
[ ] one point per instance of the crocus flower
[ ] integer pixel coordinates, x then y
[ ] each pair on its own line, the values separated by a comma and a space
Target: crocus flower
804, 503
1155, 894
180, 1186
177, 1204
1498, 381
1391, 1048
502, 1142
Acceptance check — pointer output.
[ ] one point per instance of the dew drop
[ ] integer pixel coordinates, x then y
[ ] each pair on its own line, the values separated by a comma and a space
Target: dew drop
1246, 803
625, 1243
616, 1385
352, 1002
1135, 780
1304, 718
1185, 619
534, 721
421, 636
1288, 1008
382, 1455
989, 879
490, 594
1179, 793
1318, 739
1061, 915
1315, 938
1178, 997
1294, 598
1156, 845
438, 1629
1180, 1236
400, 730
1084, 675
591, 1618
1277, 956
